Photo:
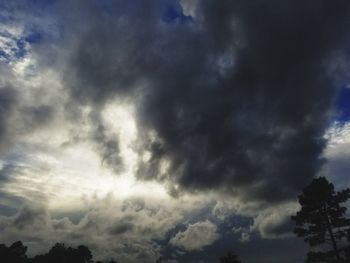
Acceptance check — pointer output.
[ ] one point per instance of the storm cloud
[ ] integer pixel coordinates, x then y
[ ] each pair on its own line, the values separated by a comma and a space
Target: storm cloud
236, 97
178, 129
8, 98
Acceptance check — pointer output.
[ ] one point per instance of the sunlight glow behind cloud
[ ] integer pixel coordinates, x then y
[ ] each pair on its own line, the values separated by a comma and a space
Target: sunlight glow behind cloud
171, 128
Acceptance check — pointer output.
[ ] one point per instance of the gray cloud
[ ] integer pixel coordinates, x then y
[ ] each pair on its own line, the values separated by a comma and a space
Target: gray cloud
338, 155
275, 222
8, 100
107, 143
36, 116
31, 216
144, 229
232, 100
229, 95
196, 236
6, 171
122, 227
111, 228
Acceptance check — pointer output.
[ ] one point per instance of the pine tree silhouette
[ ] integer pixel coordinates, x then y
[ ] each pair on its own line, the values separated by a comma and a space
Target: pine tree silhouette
321, 221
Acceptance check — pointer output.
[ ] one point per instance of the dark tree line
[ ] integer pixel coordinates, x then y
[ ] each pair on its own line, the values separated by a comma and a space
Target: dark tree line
230, 257
322, 222
59, 253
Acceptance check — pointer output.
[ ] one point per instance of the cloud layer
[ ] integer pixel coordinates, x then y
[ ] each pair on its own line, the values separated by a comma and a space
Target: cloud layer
236, 98
167, 128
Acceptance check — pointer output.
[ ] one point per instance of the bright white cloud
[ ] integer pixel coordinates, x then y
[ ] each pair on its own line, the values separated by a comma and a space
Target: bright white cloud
189, 7
275, 222
337, 154
196, 236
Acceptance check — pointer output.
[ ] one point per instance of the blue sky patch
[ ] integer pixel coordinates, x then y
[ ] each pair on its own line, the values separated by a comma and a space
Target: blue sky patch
3, 55
34, 37
343, 105
174, 14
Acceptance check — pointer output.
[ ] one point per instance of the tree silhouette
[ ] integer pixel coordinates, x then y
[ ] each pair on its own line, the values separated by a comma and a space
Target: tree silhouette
321, 221
82, 255
16, 253
230, 257
59, 253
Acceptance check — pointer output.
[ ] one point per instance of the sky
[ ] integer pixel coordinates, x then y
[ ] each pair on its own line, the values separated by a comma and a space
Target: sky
174, 128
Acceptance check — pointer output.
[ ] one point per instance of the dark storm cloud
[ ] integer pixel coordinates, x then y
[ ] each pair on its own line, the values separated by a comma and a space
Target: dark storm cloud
107, 144
8, 100
122, 227
34, 116
238, 97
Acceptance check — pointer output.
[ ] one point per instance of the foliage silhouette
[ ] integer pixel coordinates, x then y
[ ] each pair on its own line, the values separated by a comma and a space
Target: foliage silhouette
59, 253
230, 257
322, 223
16, 253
